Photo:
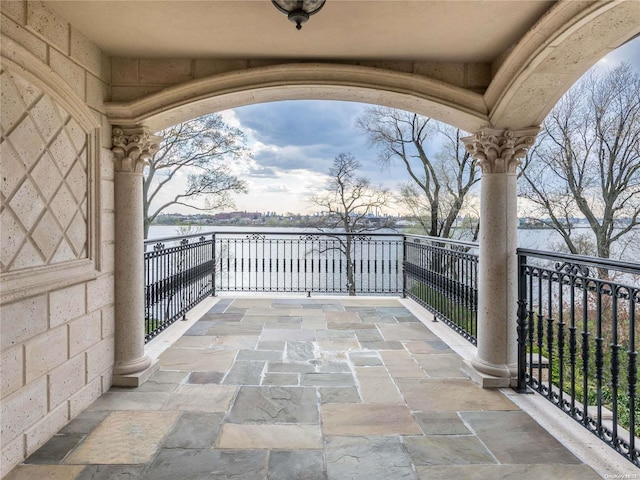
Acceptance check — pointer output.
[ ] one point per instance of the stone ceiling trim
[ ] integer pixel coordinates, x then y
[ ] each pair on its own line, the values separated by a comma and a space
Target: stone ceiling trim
529, 67
445, 102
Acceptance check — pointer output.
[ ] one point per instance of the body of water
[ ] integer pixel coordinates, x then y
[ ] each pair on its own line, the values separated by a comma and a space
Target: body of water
537, 239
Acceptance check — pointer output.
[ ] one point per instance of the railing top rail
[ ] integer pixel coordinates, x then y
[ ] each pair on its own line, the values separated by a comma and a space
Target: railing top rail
444, 240
275, 232
596, 262
153, 241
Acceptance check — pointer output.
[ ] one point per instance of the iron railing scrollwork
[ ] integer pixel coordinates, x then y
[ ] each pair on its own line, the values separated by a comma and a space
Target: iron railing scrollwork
177, 278
577, 341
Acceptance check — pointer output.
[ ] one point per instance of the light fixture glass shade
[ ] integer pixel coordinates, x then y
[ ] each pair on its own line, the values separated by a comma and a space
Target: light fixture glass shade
298, 11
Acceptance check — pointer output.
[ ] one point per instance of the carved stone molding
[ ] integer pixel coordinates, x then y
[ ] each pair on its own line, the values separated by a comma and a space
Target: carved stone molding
133, 147
500, 150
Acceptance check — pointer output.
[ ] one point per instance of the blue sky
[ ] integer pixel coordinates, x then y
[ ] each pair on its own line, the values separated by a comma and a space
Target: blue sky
294, 144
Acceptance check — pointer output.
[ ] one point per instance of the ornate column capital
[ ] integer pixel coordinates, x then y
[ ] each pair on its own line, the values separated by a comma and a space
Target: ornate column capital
133, 147
500, 150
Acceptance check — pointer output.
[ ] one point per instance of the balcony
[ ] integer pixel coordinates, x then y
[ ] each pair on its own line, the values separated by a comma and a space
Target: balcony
297, 383
307, 388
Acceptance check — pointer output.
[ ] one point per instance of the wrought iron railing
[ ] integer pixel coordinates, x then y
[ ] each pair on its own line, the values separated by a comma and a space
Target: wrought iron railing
577, 334
576, 326
442, 275
320, 263
181, 271
179, 274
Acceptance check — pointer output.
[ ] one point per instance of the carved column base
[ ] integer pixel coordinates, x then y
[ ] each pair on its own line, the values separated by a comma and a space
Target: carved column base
134, 374
488, 375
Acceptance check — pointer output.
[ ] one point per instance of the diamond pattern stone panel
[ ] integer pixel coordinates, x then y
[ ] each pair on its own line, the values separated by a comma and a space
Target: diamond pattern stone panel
45, 182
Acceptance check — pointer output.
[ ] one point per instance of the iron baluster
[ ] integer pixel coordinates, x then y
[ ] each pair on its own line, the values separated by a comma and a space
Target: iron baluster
521, 386
632, 378
585, 357
540, 331
615, 365
599, 357
561, 326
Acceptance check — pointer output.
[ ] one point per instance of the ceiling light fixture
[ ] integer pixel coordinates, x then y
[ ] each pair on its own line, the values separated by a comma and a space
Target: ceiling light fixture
299, 11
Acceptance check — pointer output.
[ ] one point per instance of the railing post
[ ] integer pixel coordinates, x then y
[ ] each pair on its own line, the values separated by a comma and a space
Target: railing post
521, 386
213, 267
404, 262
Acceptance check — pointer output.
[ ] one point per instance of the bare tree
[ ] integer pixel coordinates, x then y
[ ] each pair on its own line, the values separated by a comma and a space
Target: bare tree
587, 161
202, 150
347, 205
440, 183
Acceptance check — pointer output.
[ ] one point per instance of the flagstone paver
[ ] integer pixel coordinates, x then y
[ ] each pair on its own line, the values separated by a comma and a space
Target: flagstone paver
55, 449
445, 365
275, 405
365, 359
507, 472
304, 388
441, 423
376, 385
205, 377
195, 341
85, 422
272, 437
447, 450
367, 419
281, 379
296, 465
201, 398
194, 430
339, 395
300, 351
428, 346
45, 472
368, 458
111, 472
401, 364
214, 464
236, 342
516, 438
120, 399
450, 394
327, 379
124, 438
245, 373
198, 359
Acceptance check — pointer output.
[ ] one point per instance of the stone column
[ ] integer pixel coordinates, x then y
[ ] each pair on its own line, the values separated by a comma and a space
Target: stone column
132, 148
498, 153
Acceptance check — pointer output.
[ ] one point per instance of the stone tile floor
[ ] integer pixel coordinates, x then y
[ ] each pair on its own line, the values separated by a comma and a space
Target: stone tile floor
304, 389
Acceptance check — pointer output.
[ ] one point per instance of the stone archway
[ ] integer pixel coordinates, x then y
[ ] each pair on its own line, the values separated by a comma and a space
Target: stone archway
525, 83
525, 86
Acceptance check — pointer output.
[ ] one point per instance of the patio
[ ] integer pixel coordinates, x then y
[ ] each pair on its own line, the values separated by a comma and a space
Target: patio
304, 388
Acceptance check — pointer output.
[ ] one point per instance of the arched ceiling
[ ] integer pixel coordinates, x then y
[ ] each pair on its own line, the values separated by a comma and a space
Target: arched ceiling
416, 55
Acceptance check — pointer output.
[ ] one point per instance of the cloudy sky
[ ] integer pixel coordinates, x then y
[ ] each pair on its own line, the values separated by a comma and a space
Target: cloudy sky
294, 144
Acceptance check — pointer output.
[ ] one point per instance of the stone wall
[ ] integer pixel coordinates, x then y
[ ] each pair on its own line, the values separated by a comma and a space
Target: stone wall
134, 78
57, 257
